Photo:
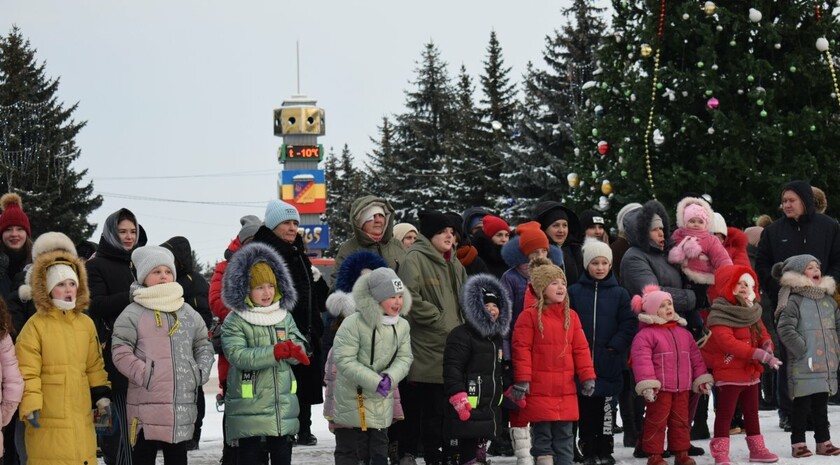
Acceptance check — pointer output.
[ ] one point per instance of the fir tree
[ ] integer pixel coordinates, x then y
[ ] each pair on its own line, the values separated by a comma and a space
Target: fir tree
385, 173
344, 185
37, 145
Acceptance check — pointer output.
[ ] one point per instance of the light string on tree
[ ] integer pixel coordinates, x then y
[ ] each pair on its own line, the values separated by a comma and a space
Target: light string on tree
828, 57
649, 128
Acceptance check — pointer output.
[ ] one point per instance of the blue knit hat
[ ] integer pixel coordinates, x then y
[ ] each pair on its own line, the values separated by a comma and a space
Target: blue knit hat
278, 211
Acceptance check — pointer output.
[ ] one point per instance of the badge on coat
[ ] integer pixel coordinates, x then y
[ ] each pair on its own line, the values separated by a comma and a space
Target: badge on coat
281, 333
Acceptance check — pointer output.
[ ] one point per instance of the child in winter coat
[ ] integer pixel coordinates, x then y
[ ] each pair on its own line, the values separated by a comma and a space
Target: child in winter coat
549, 349
160, 344
698, 252
666, 364
261, 342
735, 352
609, 324
472, 368
11, 382
808, 324
372, 352
61, 363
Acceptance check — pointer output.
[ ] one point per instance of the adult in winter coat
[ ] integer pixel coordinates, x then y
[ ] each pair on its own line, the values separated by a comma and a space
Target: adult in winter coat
262, 342
472, 366
110, 279
15, 242
563, 229
620, 245
488, 241
280, 233
373, 229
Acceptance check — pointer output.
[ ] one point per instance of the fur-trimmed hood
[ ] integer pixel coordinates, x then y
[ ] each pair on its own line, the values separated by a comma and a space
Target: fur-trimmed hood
46, 242
237, 278
41, 295
472, 304
685, 202
794, 279
637, 225
340, 302
514, 257
727, 277
364, 202
368, 308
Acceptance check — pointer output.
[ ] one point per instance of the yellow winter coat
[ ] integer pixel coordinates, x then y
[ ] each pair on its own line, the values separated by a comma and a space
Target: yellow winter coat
61, 361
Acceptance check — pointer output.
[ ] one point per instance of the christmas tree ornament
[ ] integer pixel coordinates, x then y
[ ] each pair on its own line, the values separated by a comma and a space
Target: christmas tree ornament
685, 93
715, 67
719, 28
759, 102
700, 64
636, 120
595, 132
632, 97
603, 147
623, 173
659, 85
763, 113
822, 44
709, 92
712, 103
686, 16
577, 151
790, 133
605, 86
711, 131
709, 8
646, 50
732, 43
574, 180
618, 37
620, 159
740, 91
777, 46
606, 187
658, 138
629, 48
755, 15
599, 111
813, 128
792, 69
750, 78
603, 203
627, 92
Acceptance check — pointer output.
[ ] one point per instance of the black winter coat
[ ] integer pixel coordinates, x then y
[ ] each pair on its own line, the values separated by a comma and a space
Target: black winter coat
196, 288
491, 254
311, 303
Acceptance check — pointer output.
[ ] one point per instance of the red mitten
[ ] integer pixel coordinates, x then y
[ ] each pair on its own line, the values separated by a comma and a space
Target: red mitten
509, 395
281, 351
462, 405
297, 353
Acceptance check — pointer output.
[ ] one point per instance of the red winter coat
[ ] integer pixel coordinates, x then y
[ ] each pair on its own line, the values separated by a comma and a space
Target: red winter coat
218, 307
549, 362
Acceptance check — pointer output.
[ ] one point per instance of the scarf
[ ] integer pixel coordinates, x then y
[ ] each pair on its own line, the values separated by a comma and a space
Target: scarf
376, 238
264, 316
698, 233
669, 324
735, 316
809, 292
64, 305
466, 254
168, 297
390, 320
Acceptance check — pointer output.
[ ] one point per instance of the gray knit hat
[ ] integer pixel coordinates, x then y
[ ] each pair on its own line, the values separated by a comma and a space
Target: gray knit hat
384, 284
250, 225
278, 211
796, 263
147, 258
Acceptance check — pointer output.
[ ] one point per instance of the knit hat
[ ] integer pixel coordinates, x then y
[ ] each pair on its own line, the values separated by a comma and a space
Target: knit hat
543, 273
695, 211
261, 274
589, 218
13, 214
623, 212
455, 224
401, 229
493, 224
719, 226
433, 222
384, 284
593, 248
796, 263
650, 300
547, 212
147, 258
58, 273
250, 225
531, 237
367, 213
753, 234
278, 211
656, 222
489, 296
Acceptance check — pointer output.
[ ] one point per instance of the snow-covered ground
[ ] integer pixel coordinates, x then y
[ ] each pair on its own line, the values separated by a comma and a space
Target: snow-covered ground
210, 450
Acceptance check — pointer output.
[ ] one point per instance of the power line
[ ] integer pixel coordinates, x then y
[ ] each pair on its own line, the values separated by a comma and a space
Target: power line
186, 176
199, 202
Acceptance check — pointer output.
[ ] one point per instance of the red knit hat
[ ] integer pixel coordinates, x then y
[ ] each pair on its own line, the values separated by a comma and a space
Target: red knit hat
493, 224
13, 214
531, 237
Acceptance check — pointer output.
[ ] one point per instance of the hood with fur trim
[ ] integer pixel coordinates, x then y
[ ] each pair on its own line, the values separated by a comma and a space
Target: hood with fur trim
368, 308
514, 257
364, 202
237, 278
793, 279
637, 225
41, 295
46, 242
685, 202
472, 303
340, 302
727, 277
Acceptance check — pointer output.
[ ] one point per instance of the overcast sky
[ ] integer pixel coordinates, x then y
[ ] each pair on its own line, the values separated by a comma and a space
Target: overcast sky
186, 88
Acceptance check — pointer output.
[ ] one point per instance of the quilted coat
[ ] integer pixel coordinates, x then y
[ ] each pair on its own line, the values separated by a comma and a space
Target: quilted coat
11, 382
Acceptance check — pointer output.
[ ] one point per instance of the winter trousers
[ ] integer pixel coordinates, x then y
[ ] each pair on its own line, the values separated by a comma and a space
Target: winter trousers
354, 446
783, 393
553, 438
595, 426
250, 450
423, 405
814, 406
730, 396
669, 411
145, 451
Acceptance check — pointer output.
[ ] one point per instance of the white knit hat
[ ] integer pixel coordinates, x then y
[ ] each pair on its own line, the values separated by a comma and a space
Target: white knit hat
593, 248
58, 273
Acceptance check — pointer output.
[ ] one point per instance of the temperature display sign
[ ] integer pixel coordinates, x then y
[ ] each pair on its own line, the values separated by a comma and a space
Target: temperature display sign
301, 152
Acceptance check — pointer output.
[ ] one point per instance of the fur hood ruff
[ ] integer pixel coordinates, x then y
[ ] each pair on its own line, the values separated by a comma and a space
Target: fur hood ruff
46, 242
514, 257
793, 279
41, 295
686, 201
368, 308
472, 303
236, 282
657, 320
637, 225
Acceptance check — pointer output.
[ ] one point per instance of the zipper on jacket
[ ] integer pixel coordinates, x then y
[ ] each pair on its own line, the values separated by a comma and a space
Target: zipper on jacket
273, 337
493, 399
174, 378
677, 353
594, 324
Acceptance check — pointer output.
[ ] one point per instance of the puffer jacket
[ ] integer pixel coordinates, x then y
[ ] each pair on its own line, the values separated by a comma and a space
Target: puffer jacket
388, 248
434, 283
363, 350
472, 361
729, 351
609, 324
11, 382
195, 287
214, 299
810, 331
61, 363
261, 398
549, 361
701, 268
166, 357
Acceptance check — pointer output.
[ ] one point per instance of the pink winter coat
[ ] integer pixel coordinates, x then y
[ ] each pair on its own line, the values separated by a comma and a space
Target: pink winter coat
665, 357
11, 382
699, 257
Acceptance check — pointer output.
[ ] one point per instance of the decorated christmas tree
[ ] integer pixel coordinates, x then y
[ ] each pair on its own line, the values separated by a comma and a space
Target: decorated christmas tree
731, 100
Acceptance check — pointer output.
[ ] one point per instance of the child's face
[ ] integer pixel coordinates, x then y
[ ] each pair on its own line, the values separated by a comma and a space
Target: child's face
492, 310
262, 295
555, 292
666, 310
599, 267
539, 253
501, 237
813, 272
65, 290
161, 274
696, 224
392, 305
409, 238
743, 290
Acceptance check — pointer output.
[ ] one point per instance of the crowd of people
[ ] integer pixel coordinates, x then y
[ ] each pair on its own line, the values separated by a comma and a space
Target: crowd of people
452, 338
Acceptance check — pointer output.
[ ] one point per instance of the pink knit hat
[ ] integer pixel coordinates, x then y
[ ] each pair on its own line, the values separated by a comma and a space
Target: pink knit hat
650, 299
695, 211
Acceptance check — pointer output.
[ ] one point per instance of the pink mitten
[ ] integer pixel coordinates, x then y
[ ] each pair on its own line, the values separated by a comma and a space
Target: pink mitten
462, 405
691, 247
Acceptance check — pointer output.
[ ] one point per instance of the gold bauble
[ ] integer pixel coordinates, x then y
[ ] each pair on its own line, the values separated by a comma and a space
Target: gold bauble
646, 50
709, 8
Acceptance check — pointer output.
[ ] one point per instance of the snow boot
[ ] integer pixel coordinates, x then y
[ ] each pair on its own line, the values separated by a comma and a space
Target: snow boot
758, 451
720, 451
521, 439
800, 450
826, 448
682, 458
